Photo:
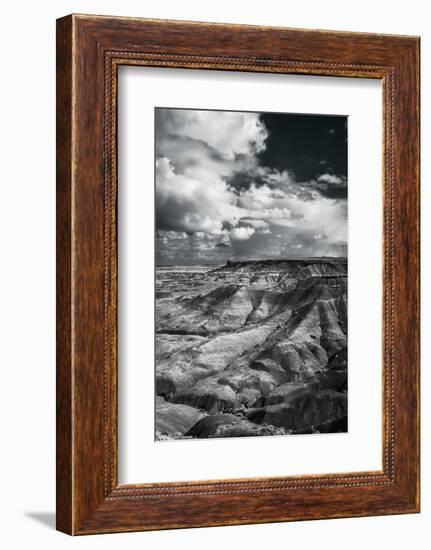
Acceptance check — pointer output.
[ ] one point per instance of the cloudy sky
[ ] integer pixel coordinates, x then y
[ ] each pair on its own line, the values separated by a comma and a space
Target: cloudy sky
241, 185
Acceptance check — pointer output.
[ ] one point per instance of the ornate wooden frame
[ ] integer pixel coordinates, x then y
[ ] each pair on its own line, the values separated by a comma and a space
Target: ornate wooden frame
89, 51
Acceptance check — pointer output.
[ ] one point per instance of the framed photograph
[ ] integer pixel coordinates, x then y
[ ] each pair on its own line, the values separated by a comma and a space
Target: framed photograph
237, 274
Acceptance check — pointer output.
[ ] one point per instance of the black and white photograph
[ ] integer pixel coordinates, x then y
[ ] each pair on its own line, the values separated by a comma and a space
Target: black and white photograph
251, 273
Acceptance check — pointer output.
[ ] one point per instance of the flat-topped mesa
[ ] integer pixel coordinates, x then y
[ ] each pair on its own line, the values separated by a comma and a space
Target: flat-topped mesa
293, 267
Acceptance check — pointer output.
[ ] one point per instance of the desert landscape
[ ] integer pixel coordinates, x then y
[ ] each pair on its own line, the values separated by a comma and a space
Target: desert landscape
251, 273
251, 348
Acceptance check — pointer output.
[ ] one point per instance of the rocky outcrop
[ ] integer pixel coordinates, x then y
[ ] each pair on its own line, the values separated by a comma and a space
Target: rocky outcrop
307, 412
267, 339
174, 420
228, 425
298, 268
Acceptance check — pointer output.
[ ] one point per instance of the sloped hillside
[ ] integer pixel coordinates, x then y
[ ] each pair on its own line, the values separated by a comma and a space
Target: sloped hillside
253, 347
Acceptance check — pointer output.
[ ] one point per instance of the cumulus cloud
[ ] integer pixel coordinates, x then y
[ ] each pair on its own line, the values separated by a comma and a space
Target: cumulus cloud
214, 198
330, 178
190, 204
255, 223
241, 233
229, 133
331, 186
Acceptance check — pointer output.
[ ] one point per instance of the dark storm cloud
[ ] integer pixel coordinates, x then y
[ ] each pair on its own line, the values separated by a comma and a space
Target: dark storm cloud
303, 144
247, 185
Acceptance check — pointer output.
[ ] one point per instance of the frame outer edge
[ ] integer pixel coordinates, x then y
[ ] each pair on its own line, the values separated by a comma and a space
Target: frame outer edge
407, 272
81, 508
64, 300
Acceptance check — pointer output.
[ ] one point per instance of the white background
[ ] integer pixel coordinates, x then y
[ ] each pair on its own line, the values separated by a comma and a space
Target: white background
141, 458
27, 122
